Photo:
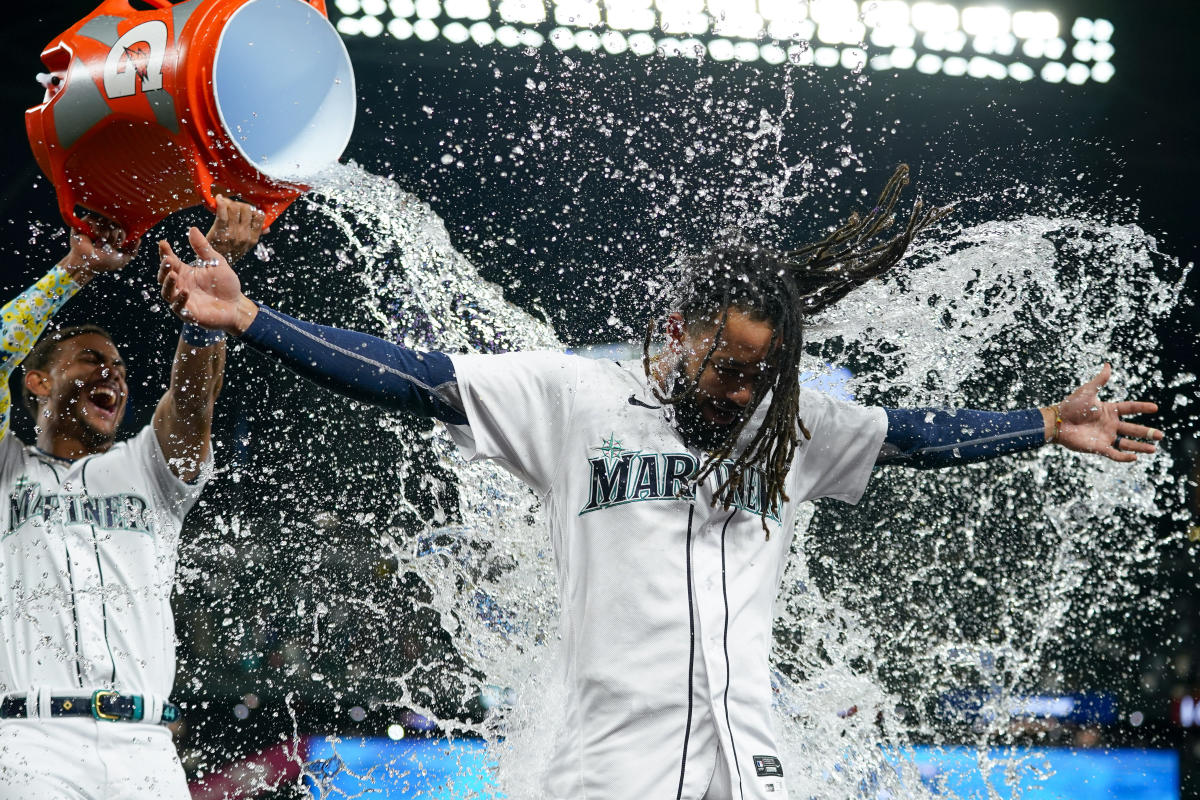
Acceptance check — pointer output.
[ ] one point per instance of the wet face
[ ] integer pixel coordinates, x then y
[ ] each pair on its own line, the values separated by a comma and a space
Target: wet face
726, 387
82, 391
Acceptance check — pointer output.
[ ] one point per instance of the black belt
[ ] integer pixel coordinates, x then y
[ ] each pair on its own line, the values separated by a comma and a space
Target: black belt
102, 704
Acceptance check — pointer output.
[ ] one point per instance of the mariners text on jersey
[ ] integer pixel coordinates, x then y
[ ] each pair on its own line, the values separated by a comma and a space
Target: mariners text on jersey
115, 512
621, 476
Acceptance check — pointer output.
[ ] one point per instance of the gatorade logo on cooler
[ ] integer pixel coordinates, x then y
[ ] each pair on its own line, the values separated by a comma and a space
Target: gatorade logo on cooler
137, 55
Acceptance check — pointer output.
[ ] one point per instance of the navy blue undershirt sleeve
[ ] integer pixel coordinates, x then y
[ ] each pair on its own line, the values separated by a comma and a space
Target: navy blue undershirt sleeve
359, 366
927, 438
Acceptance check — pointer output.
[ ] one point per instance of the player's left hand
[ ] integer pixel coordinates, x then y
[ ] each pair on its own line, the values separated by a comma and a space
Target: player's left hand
236, 228
205, 292
1091, 425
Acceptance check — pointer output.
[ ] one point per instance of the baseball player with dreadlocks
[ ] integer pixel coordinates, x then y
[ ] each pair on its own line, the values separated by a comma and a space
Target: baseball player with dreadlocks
89, 530
672, 488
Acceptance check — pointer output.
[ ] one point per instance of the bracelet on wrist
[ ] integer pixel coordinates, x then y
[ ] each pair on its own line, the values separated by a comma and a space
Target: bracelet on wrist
1057, 422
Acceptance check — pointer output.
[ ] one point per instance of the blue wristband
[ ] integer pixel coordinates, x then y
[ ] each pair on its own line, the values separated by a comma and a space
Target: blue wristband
201, 337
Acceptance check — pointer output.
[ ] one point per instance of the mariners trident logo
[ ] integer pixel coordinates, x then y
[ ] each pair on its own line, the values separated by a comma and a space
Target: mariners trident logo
620, 476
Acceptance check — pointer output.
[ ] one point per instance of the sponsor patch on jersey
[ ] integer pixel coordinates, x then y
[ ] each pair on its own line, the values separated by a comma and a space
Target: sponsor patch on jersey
768, 767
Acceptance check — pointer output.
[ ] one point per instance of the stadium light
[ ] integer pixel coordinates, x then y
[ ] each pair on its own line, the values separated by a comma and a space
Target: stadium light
736, 19
630, 15
587, 41
642, 44
929, 64
801, 55
562, 38
978, 40
426, 30
522, 12
398, 28
482, 34
720, 50
428, 9
682, 16
986, 21
745, 51
772, 53
1020, 71
456, 32
886, 14
854, 58
577, 13
837, 22
934, 17
614, 43
955, 65
1035, 25
827, 56
371, 27
531, 38
786, 20
904, 57
469, 9
1078, 74
1055, 48
508, 36
1054, 72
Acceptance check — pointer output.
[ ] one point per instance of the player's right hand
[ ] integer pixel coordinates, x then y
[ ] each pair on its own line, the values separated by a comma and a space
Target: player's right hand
206, 292
109, 251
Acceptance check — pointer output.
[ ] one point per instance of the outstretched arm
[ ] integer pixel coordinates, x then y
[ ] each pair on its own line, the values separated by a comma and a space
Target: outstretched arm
356, 365
24, 318
931, 438
184, 416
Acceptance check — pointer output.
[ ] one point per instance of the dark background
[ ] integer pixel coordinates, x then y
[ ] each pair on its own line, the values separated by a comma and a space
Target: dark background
556, 239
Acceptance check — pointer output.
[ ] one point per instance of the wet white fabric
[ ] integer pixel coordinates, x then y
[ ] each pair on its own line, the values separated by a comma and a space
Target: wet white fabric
82, 759
667, 600
87, 556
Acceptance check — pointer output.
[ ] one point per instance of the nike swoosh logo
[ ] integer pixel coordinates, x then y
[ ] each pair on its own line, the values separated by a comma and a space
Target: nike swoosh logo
633, 401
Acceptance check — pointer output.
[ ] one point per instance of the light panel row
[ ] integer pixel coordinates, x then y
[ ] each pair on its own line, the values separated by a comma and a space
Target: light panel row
931, 37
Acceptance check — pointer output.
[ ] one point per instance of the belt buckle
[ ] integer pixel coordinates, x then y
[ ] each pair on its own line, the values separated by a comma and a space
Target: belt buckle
96, 697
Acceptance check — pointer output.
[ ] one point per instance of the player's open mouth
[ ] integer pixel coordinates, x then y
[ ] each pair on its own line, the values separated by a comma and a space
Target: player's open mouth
723, 415
103, 402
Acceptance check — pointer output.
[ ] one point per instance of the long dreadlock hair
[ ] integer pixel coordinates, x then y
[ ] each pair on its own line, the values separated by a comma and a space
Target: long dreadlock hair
783, 288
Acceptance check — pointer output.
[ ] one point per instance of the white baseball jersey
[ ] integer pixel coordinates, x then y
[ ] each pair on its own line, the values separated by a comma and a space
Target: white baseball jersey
87, 560
667, 601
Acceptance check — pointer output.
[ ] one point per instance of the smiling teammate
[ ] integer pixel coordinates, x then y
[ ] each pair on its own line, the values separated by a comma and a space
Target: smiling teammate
88, 534
672, 489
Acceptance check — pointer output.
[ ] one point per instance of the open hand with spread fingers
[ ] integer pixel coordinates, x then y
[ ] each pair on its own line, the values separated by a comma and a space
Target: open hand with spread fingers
206, 292
1087, 424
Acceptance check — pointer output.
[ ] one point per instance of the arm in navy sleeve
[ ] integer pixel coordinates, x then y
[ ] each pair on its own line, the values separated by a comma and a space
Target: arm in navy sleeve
928, 438
359, 366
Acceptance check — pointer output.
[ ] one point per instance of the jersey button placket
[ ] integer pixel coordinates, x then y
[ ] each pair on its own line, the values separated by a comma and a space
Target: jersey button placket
711, 610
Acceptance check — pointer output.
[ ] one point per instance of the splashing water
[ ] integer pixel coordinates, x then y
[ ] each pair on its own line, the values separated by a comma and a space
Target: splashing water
936, 581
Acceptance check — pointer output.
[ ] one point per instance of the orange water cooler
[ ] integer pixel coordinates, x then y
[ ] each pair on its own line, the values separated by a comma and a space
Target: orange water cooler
150, 111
